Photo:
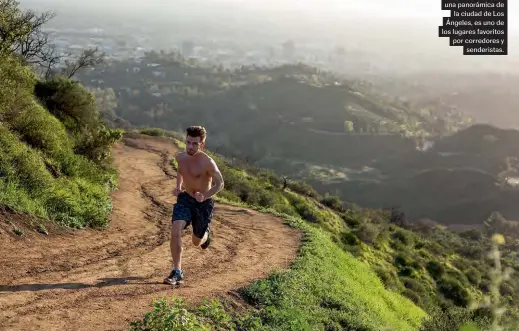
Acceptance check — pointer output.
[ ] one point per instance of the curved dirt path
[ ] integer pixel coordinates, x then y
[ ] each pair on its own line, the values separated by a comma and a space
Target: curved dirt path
102, 280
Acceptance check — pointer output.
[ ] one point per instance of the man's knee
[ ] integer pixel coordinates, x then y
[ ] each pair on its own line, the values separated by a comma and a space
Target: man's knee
176, 229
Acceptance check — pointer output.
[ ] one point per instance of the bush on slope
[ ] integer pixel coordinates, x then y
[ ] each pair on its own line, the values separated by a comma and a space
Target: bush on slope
41, 171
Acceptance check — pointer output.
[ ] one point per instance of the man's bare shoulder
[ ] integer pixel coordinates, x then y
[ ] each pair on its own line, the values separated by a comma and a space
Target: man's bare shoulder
208, 161
180, 156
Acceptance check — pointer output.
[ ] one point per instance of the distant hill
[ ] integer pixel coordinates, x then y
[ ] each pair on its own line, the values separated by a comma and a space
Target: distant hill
162, 86
462, 179
485, 95
481, 139
342, 136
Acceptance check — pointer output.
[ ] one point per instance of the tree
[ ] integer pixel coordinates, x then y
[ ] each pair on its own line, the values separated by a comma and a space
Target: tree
21, 35
89, 58
76, 108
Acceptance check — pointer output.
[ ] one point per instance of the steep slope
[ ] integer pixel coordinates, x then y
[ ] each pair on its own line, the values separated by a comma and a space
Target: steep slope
441, 272
54, 149
93, 280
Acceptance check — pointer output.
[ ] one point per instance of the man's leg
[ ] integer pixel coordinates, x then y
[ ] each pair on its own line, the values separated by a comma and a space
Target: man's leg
200, 241
176, 243
180, 220
201, 230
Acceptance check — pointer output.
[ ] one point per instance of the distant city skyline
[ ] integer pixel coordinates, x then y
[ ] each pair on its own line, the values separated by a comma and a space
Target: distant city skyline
428, 11
394, 29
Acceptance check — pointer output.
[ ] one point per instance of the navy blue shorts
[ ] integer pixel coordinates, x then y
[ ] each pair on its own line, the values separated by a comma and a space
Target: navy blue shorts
199, 214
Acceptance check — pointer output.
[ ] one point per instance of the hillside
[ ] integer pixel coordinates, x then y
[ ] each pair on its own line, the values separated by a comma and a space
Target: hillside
483, 140
461, 179
85, 212
58, 174
162, 86
431, 266
384, 254
61, 281
481, 94
54, 150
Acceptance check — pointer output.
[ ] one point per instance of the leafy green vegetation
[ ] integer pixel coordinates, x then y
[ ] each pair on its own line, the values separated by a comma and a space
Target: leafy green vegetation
354, 257
54, 148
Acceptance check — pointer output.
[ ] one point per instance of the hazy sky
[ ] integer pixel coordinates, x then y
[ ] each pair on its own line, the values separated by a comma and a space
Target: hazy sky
424, 8
429, 10
346, 20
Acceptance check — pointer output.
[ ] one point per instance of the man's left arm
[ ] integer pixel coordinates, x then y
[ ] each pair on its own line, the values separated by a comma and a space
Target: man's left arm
217, 177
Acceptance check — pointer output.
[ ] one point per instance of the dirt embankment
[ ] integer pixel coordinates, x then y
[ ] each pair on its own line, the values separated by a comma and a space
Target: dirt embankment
102, 280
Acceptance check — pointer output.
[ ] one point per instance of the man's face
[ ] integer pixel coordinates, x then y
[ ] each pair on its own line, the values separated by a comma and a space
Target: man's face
193, 145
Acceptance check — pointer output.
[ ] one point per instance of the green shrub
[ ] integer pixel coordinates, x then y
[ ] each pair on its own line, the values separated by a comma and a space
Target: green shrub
473, 275
472, 234
403, 260
413, 296
41, 173
458, 275
472, 251
155, 132
351, 220
389, 278
39, 130
333, 202
75, 107
303, 189
436, 269
349, 239
404, 237
68, 101
452, 289
306, 211
174, 317
506, 289
461, 263
435, 248
413, 284
453, 319
367, 232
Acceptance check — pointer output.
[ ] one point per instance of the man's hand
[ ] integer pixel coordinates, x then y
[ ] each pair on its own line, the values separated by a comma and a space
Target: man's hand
199, 197
176, 191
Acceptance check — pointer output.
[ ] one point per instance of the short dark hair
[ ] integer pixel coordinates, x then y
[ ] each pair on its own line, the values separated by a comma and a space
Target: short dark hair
197, 131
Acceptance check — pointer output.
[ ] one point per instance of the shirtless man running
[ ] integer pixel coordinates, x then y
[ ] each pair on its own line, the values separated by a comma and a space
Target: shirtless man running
196, 171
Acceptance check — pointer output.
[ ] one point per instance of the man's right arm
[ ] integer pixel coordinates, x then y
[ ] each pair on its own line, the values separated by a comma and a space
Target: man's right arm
180, 180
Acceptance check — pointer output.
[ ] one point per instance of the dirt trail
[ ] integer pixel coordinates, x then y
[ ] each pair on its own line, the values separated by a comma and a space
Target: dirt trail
102, 280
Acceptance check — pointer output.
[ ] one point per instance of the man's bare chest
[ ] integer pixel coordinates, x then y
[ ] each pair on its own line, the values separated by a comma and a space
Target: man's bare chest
192, 170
